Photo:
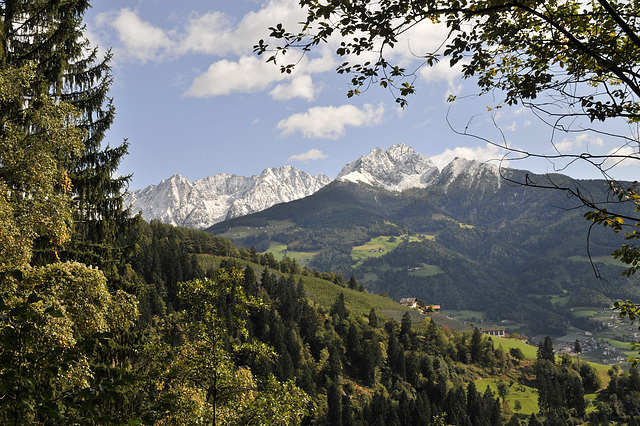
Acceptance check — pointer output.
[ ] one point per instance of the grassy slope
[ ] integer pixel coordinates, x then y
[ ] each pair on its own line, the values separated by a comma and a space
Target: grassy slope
376, 247
527, 396
529, 351
324, 293
279, 251
241, 231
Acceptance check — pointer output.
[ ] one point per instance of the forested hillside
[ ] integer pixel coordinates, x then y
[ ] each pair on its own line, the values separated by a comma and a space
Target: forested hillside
240, 338
107, 319
505, 252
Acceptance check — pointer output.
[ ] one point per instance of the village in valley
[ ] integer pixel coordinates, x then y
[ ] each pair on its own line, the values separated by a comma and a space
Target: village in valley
590, 346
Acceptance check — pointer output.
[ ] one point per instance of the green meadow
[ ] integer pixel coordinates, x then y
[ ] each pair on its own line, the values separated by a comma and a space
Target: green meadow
376, 247
279, 251
383, 244
358, 303
529, 351
527, 396
466, 315
427, 271
242, 231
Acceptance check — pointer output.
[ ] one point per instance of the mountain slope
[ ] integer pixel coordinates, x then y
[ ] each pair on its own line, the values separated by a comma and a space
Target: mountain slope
205, 202
469, 241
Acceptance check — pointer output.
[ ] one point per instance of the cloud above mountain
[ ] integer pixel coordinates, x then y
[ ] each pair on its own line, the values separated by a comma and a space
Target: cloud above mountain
311, 155
331, 122
228, 42
485, 154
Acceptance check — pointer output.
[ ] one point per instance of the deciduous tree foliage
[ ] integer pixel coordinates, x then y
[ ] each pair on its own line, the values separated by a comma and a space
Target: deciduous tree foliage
48, 314
565, 60
197, 378
53, 113
36, 137
523, 48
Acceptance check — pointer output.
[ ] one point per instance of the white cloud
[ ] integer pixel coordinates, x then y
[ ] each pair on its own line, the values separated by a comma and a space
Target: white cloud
311, 155
331, 122
252, 73
216, 33
622, 157
425, 37
441, 71
487, 153
140, 40
209, 33
229, 41
325, 61
300, 86
212, 33
569, 144
248, 74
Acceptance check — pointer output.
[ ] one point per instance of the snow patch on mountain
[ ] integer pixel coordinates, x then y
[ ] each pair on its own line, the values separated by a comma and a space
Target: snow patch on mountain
397, 169
205, 202
470, 174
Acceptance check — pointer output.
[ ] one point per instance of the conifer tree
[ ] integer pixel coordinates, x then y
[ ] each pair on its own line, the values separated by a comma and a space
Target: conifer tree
49, 36
338, 308
476, 345
405, 325
545, 350
373, 318
334, 404
46, 36
353, 283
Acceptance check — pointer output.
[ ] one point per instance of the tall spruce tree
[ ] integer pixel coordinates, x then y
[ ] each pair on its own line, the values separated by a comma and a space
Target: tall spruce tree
48, 35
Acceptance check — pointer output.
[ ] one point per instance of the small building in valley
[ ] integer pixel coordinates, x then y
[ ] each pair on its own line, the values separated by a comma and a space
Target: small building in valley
493, 331
410, 302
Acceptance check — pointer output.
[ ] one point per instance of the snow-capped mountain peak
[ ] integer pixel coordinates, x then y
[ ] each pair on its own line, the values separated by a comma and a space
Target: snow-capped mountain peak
397, 169
471, 172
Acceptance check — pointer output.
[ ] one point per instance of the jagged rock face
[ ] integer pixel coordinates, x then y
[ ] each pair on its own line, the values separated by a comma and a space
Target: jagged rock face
470, 174
202, 203
205, 202
396, 169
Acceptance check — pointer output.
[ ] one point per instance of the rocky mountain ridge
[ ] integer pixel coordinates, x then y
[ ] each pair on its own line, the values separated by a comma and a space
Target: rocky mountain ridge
205, 202
401, 167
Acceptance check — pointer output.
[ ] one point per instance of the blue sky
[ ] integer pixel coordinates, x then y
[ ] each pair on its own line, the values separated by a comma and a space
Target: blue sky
193, 99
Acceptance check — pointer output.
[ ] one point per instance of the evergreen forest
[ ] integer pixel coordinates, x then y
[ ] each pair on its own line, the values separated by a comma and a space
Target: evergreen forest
106, 319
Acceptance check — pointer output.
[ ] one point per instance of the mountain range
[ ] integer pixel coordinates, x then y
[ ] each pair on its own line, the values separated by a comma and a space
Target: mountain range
467, 237
205, 202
